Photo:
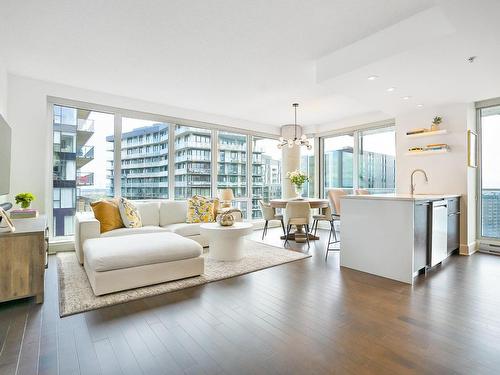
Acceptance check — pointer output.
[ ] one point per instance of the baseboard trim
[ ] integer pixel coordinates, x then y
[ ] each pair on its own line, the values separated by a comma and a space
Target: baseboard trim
468, 249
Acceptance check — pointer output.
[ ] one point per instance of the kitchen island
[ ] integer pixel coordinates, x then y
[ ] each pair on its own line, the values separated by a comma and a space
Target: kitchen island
398, 235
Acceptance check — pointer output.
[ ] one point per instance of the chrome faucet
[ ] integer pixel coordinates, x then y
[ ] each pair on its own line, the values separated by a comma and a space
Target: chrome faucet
412, 185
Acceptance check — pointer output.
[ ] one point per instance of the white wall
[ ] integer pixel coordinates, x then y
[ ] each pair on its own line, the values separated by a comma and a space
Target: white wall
32, 129
3, 88
447, 173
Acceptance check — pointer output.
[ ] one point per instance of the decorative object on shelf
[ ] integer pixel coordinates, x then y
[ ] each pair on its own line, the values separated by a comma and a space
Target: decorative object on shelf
433, 147
302, 141
226, 219
472, 149
416, 131
435, 123
6, 206
226, 196
298, 178
26, 213
25, 199
5, 223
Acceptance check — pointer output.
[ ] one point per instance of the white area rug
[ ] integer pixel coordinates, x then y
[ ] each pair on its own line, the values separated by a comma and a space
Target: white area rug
76, 296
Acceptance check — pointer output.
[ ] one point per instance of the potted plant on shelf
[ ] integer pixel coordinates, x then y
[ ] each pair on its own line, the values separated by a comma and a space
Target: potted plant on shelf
24, 200
298, 178
435, 123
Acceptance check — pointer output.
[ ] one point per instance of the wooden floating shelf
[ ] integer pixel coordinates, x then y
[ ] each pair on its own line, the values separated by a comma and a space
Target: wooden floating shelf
427, 134
427, 152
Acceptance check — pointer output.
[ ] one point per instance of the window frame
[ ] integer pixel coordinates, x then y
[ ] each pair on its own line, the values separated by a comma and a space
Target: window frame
355, 133
119, 114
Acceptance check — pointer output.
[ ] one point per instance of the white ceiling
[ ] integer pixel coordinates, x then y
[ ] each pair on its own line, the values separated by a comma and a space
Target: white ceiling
252, 59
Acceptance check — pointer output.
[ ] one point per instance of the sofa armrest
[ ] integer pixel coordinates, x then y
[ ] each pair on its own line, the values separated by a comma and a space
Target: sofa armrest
86, 226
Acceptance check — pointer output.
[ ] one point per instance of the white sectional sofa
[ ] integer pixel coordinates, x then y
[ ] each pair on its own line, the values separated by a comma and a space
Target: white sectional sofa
157, 216
125, 262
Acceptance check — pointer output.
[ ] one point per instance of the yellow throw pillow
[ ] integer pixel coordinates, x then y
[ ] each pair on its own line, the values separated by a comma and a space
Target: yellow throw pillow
200, 210
108, 214
129, 213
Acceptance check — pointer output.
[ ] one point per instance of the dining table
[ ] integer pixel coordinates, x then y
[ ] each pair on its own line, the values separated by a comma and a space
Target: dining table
300, 235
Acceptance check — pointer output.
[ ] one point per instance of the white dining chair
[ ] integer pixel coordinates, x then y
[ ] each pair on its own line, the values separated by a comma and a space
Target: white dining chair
269, 214
297, 213
334, 196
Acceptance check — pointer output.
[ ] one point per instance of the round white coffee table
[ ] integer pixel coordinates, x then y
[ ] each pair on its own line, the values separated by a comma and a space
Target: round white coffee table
225, 243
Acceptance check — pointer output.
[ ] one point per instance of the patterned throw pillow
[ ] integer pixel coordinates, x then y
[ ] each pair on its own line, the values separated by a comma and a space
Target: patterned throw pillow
200, 210
129, 213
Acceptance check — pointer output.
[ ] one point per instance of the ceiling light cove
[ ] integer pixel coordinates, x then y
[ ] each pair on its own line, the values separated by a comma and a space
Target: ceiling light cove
372, 78
390, 89
420, 105
406, 97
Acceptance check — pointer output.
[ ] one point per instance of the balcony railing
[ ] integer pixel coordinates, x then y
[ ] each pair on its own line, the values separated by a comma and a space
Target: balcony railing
144, 154
137, 143
85, 125
182, 158
188, 129
192, 183
145, 174
145, 164
193, 144
84, 178
144, 184
86, 152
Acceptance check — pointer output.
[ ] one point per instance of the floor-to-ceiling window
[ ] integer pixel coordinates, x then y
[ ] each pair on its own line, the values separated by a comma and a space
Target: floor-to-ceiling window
101, 152
361, 159
193, 161
80, 160
307, 165
377, 160
232, 167
489, 119
338, 162
266, 172
143, 159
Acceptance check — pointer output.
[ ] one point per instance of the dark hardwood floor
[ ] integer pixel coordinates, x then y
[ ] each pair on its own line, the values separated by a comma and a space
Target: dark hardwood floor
306, 317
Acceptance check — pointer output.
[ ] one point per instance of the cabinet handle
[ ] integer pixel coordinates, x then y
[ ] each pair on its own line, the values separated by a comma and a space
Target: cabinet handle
454, 214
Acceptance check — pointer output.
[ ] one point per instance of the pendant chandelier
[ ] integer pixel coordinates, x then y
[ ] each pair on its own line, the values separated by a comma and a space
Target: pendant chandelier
290, 142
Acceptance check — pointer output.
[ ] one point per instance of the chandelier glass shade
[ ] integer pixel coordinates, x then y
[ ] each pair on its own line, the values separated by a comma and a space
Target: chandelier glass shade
295, 141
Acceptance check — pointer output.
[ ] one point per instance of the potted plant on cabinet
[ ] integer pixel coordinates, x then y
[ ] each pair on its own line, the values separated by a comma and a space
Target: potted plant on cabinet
24, 200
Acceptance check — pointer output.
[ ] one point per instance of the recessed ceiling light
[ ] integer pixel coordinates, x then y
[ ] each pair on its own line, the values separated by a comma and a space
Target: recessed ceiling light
390, 89
406, 97
420, 105
372, 78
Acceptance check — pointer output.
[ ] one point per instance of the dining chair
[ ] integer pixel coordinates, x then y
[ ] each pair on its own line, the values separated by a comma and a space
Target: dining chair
325, 214
334, 196
362, 192
297, 213
269, 213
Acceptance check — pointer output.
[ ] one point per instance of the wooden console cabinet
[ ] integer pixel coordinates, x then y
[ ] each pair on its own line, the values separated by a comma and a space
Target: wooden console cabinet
23, 259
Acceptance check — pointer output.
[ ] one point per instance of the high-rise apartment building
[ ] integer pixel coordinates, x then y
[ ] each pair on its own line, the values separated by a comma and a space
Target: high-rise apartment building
490, 212
71, 131
144, 163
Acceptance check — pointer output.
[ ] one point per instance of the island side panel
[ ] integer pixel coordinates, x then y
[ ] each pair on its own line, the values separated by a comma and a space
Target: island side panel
377, 237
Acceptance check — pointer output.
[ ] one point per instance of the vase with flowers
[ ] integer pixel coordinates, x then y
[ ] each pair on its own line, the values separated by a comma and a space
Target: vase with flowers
298, 179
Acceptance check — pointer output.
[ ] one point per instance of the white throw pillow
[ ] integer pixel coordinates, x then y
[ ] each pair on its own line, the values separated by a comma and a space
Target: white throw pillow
130, 215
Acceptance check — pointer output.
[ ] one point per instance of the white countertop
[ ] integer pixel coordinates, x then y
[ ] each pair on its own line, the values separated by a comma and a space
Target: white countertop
403, 197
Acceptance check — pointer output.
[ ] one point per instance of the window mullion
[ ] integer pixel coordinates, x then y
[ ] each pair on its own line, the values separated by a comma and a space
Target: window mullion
117, 152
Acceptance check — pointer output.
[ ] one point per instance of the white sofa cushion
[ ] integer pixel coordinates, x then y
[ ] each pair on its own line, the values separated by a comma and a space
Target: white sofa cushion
128, 231
149, 211
106, 254
172, 212
184, 229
